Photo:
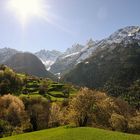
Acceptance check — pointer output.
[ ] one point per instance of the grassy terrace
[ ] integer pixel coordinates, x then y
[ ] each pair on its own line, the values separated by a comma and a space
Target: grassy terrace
55, 91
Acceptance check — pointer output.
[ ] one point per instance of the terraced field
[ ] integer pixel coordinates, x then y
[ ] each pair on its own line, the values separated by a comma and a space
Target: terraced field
54, 91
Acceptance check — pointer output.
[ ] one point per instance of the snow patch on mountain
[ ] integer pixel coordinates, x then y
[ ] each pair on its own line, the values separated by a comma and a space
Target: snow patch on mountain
47, 57
69, 55
86, 51
126, 34
47, 63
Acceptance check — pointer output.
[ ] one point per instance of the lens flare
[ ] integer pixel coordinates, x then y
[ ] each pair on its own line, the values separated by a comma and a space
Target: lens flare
26, 9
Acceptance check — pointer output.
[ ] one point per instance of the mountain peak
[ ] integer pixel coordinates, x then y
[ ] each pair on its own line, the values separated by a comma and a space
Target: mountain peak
6, 53
75, 48
90, 43
126, 33
131, 29
48, 57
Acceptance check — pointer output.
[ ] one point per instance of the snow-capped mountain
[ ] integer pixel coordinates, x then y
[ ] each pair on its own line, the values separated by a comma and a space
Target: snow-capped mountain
114, 60
58, 62
48, 57
71, 52
68, 59
6, 53
71, 58
126, 35
86, 51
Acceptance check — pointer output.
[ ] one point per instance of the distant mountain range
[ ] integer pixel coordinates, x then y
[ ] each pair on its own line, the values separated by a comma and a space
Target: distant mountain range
87, 61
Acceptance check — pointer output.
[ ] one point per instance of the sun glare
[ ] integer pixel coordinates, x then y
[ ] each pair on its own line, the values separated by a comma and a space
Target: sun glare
26, 9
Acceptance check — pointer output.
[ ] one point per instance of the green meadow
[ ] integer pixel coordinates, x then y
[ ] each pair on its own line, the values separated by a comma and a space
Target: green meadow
63, 133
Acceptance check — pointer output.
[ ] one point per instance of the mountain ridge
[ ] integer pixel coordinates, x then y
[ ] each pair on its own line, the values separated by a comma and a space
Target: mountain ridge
28, 63
112, 60
61, 63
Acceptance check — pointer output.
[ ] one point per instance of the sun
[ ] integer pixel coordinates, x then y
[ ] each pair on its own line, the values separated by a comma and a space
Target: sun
26, 9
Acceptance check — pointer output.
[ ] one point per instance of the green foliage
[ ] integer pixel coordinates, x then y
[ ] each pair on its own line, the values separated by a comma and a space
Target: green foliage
9, 81
43, 89
114, 88
38, 109
16, 83
5, 128
50, 90
133, 96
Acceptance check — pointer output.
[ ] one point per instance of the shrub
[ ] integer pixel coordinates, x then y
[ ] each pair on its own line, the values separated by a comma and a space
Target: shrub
13, 112
134, 124
106, 106
118, 122
9, 81
5, 128
133, 96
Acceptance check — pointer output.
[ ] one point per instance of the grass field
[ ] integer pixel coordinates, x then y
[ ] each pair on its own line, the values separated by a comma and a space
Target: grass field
63, 133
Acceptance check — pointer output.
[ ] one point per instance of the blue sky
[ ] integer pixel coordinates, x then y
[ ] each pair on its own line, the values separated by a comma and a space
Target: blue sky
74, 21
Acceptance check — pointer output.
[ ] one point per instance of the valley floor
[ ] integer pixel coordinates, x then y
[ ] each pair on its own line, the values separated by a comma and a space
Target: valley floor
63, 133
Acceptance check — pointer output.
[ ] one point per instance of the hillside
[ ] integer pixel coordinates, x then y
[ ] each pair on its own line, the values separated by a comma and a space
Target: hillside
49, 89
40, 103
63, 133
30, 86
28, 63
121, 65
115, 60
